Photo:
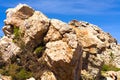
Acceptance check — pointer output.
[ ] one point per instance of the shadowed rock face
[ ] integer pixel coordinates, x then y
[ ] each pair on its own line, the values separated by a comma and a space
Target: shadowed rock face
49, 49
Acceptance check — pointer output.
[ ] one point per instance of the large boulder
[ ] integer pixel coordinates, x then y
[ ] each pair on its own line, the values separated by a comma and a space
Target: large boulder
16, 16
26, 25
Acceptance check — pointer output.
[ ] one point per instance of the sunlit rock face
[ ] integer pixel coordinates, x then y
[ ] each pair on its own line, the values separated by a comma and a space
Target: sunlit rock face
95, 42
49, 49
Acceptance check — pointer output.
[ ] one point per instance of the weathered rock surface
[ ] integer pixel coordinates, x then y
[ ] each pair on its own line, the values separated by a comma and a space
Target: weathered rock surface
37, 44
8, 48
49, 49
94, 42
63, 52
16, 16
48, 76
112, 55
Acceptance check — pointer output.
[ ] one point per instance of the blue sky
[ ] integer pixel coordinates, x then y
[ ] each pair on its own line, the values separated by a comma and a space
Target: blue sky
104, 13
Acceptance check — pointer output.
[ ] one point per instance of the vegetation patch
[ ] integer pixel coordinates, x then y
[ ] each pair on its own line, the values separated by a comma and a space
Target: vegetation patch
39, 50
18, 35
109, 67
16, 32
16, 72
23, 74
112, 55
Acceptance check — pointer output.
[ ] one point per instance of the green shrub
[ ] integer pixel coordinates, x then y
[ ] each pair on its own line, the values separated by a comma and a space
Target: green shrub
39, 50
23, 75
16, 32
18, 35
10, 70
109, 68
16, 72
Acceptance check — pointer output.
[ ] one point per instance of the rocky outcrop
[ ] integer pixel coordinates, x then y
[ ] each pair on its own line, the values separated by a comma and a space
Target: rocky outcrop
48, 48
38, 48
94, 42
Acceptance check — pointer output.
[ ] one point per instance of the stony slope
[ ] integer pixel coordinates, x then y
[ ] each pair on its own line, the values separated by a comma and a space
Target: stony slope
49, 49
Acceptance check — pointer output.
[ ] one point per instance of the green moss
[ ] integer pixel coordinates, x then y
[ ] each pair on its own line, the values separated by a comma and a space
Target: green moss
109, 68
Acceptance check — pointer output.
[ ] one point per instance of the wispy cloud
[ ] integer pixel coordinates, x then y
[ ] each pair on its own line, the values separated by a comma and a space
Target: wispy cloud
75, 6
70, 6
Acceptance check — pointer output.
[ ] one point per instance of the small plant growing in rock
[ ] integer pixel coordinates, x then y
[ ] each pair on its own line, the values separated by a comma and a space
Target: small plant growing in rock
39, 51
112, 55
16, 72
9, 70
16, 32
23, 75
109, 67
